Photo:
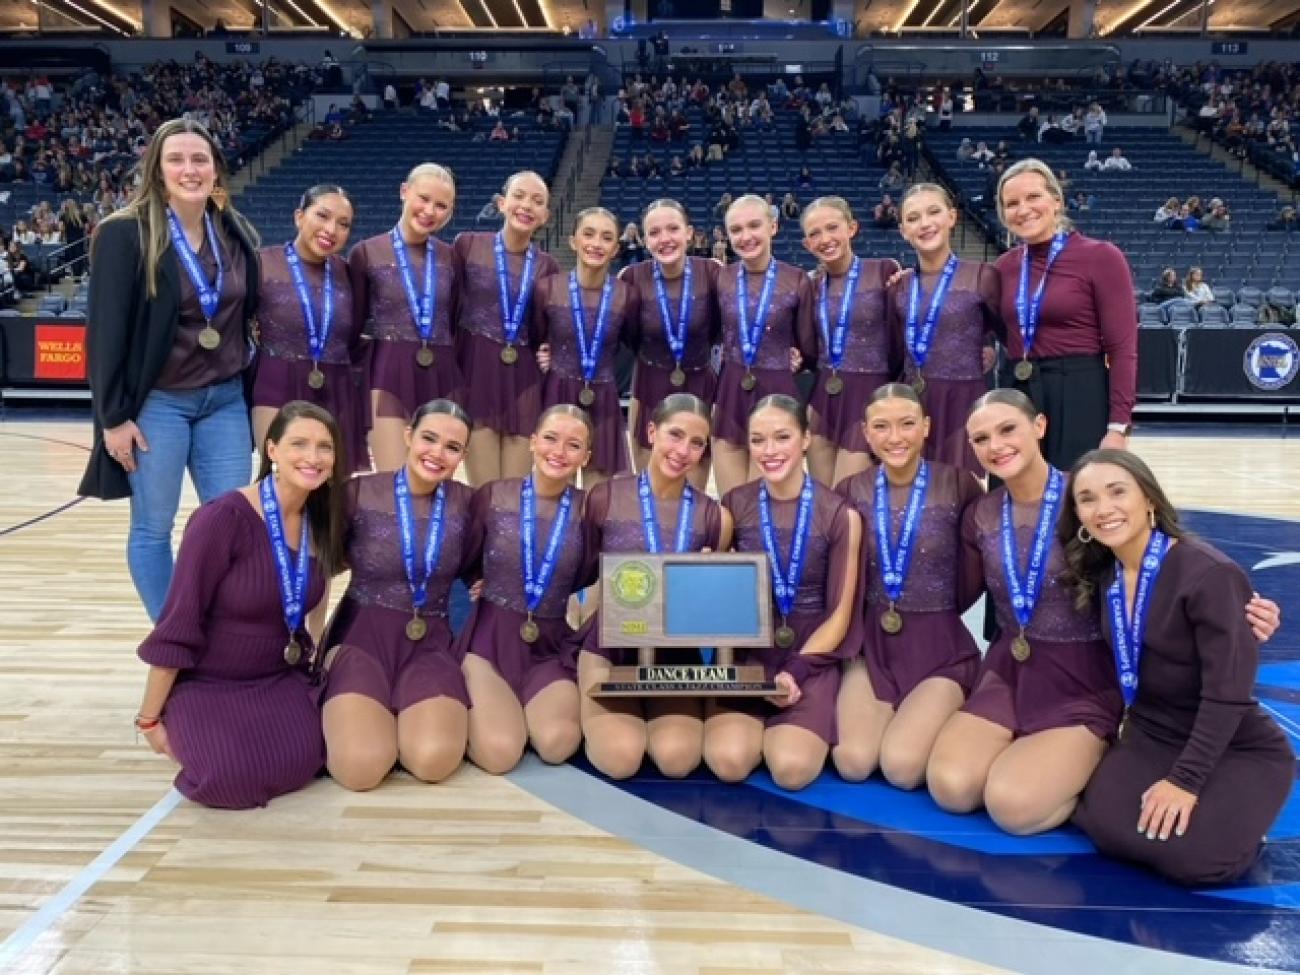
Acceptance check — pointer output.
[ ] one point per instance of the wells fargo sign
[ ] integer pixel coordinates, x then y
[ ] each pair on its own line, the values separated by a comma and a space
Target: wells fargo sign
60, 352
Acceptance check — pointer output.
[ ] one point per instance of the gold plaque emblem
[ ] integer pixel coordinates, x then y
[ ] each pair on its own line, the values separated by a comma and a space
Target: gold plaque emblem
633, 584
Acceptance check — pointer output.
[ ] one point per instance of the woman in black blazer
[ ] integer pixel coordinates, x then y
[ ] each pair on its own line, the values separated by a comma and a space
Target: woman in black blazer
173, 290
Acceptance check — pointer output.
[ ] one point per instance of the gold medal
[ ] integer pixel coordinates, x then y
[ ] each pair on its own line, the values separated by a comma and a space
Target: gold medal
529, 631
677, 377
416, 628
509, 355
315, 378
424, 357
1020, 647
292, 652
918, 384
835, 384
209, 337
1024, 369
748, 382
587, 396
891, 621
784, 637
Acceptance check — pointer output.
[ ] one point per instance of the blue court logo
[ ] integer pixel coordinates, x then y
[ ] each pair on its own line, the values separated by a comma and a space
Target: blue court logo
1272, 361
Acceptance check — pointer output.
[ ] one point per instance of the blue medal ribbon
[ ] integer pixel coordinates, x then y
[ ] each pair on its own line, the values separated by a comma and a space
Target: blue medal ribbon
752, 337
895, 561
1029, 309
418, 576
316, 339
589, 349
293, 580
785, 583
1025, 589
513, 315
422, 306
676, 338
209, 294
650, 518
536, 581
835, 340
919, 338
1126, 633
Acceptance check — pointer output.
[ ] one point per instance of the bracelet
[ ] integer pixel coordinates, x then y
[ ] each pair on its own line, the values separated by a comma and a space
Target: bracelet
147, 724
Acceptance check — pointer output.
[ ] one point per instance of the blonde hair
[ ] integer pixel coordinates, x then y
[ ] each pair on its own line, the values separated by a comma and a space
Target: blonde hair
750, 199
836, 203
431, 170
1039, 168
916, 189
148, 203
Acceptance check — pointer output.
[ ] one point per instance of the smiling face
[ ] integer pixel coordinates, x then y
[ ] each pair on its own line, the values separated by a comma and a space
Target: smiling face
896, 429
1111, 505
595, 241
777, 445
427, 204
304, 454
926, 222
667, 235
324, 227
189, 170
1030, 211
677, 444
1005, 441
750, 228
561, 447
525, 204
828, 234
434, 449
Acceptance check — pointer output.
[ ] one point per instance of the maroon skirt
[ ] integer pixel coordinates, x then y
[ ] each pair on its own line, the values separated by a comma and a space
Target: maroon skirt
840, 417
609, 447
1060, 685
280, 380
929, 645
376, 659
504, 398
948, 404
394, 371
492, 632
651, 385
732, 403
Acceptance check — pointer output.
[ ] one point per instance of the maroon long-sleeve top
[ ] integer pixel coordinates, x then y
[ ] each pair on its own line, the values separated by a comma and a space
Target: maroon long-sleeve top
1088, 309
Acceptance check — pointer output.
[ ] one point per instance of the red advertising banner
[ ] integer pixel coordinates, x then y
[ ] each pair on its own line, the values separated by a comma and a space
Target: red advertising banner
60, 352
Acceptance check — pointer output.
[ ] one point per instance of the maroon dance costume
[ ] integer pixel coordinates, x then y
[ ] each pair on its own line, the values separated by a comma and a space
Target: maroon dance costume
1085, 350
492, 630
375, 657
501, 397
1069, 678
652, 380
244, 725
563, 382
827, 572
871, 357
954, 367
611, 522
789, 325
285, 362
1194, 722
945, 578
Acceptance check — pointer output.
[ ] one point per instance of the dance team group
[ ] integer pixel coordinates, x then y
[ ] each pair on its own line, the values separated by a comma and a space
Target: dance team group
1117, 693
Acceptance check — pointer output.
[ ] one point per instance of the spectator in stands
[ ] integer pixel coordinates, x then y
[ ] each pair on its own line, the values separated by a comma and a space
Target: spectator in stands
1285, 221
636, 119
490, 212
824, 98
1219, 219
803, 131
1187, 220
1052, 134
1029, 126
499, 133
72, 226
633, 168
1168, 211
966, 150
1195, 207
790, 208
676, 167
982, 155
1094, 123
722, 206
650, 167
893, 180
838, 124
1092, 163
20, 266
1167, 288
721, 246
25, 235
390, 97
947, 106
1196, 289
695, 158
1082, 201
1116, 162
885, 214
631, 246
804, 179
911, 143
700, 244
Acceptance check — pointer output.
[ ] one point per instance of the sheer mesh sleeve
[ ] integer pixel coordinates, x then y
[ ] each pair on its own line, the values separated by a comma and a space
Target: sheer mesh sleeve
990, 291
970, 574
359, 277
805, 326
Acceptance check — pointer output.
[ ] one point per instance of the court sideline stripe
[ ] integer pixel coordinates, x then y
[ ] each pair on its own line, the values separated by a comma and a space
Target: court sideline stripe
1288, 724
39, 518
91, 874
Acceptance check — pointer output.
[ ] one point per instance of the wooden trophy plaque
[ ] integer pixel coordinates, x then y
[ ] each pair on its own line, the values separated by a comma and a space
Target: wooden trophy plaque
689, 601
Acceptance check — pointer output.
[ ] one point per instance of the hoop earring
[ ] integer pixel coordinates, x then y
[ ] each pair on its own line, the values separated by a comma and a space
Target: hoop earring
1083, 535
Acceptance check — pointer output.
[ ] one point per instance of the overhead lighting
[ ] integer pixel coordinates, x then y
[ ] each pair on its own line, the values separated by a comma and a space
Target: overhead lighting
898, 27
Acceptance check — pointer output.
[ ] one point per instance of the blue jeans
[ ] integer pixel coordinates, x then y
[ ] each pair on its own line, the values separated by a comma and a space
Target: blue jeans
203, 430
1094, 136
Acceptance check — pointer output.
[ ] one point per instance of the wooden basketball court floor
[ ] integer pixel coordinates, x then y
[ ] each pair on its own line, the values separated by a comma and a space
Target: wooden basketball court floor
104, 869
